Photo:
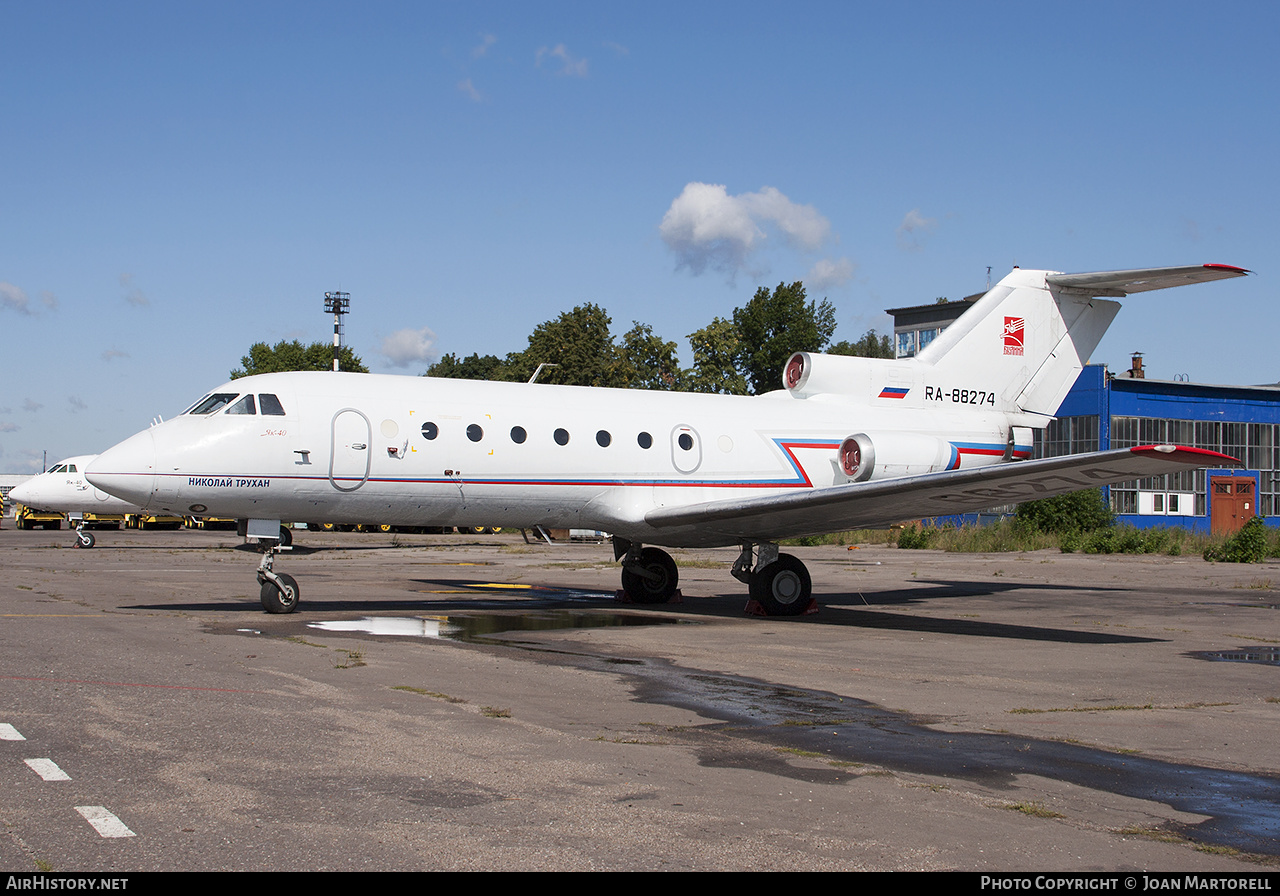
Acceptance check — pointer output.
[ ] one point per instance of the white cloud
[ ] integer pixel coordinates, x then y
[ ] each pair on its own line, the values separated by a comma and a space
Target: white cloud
6, 426
31, 405
76, 403
14, 298
486, 41
133, 296
467, 89
112, 353
572, 65
706, 227
914, 229
405, 347
828, 273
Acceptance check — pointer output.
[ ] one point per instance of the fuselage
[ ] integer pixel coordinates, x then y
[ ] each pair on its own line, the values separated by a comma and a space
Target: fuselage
64, 489
354, 448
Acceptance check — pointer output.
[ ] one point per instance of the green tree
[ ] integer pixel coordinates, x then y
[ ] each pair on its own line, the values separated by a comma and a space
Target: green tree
578, 342
871, 345
714, 370
472, 367
647, 361
772, 326
283, 356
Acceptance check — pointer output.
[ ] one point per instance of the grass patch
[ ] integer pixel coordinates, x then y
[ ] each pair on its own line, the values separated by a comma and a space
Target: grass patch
425, 693
354, 659
1025, 710
1035, 810
305, 643
495, 712
855, 536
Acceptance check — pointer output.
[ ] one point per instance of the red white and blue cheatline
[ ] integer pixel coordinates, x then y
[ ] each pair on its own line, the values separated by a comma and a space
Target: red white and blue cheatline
893, 392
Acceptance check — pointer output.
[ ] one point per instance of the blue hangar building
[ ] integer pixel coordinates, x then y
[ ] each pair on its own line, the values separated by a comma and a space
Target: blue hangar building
1105, 410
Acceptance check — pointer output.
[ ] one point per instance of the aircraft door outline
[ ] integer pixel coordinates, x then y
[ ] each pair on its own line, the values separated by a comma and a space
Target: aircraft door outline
686, 449
349, 439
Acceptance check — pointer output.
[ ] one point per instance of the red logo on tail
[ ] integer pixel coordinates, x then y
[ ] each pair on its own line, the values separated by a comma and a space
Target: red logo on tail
1013, 330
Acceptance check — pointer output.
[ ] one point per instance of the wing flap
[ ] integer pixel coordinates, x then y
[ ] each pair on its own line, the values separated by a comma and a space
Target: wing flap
882, 502
1122, 283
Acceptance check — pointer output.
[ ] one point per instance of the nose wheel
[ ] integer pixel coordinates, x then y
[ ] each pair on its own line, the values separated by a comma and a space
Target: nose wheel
279, 591
84, 538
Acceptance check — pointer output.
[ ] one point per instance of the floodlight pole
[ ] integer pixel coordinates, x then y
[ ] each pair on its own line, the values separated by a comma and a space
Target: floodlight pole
337, 303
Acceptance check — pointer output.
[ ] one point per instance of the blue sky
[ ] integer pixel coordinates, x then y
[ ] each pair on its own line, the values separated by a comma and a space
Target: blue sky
181, 180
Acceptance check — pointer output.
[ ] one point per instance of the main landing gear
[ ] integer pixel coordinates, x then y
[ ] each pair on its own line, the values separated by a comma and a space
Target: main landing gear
649, 575
779, 583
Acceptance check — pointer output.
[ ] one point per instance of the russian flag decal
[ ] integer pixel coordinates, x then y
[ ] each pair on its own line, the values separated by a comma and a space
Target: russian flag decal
893, 392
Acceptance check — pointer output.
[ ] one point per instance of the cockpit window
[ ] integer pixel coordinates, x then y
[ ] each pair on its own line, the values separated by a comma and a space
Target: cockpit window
270, 405
214, 402
60, 468
71, 468
243, 406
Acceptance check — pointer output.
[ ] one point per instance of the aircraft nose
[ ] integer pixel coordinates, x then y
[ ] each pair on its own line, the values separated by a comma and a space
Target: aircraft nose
127, 470
23, 494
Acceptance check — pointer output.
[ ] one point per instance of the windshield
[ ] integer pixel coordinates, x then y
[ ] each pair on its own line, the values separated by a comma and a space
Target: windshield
211, 403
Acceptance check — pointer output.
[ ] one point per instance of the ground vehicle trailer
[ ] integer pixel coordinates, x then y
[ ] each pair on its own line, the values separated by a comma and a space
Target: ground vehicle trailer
25, 517
151, 521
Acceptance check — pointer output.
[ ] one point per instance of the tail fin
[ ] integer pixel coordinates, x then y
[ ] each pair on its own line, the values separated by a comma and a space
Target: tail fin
1029, 337
1018, 349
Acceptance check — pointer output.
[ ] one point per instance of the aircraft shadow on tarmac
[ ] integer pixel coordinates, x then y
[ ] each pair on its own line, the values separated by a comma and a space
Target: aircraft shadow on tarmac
441, 596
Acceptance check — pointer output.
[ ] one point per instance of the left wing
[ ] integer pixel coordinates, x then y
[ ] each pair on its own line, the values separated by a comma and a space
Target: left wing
860, 505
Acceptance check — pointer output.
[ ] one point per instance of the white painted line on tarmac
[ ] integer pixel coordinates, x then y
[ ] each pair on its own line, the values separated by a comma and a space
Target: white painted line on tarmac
8, 732
106, 824
47, 769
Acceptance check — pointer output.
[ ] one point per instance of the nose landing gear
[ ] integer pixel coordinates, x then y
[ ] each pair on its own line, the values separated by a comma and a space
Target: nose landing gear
279, 591
84, 538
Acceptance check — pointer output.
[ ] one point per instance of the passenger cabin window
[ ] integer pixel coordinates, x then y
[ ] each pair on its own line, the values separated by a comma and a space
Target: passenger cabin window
270, 405
243, 406
474, 432
644, 440
430, 431
518, 435
603, 438
214, 402
562, 436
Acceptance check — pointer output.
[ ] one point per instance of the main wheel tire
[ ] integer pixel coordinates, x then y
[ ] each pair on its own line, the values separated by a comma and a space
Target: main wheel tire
286, 536
783, 587
659, 586
283, 599
84, 539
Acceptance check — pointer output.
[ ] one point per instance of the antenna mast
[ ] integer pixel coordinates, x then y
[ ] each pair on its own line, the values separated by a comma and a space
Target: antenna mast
337, 303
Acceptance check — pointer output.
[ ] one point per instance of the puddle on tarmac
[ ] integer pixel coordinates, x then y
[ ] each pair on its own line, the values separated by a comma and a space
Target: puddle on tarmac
1266, 656
480, 627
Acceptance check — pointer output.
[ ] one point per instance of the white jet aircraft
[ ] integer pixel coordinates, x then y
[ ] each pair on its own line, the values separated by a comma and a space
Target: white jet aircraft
848, 443
63, 489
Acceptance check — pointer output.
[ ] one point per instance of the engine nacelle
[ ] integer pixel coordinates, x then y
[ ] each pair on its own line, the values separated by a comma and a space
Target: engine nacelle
863, 456
811, 373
